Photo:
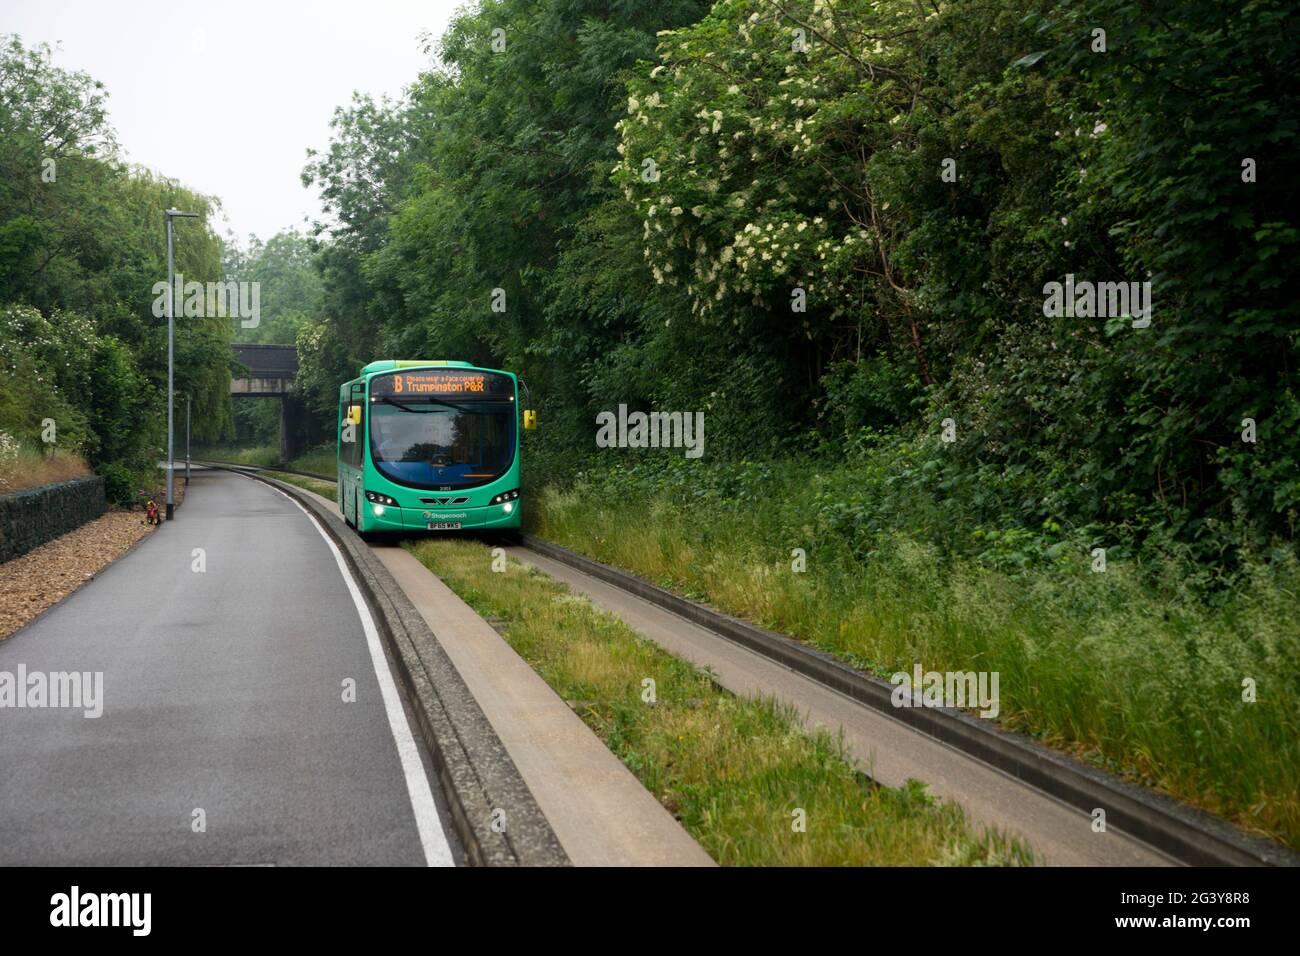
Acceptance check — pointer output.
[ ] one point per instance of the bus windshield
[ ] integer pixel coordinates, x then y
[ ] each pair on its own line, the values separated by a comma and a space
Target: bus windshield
441, 443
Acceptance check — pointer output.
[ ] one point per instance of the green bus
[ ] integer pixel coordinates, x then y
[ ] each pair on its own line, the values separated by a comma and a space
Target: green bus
429, 446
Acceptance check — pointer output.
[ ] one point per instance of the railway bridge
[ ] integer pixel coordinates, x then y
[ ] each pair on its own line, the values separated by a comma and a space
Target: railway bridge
271, 371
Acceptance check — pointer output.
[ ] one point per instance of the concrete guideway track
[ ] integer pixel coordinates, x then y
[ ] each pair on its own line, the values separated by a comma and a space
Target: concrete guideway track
1145, 818
890, 751
222, 693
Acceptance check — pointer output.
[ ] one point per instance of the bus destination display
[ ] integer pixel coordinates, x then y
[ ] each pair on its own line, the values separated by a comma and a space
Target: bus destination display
439, 383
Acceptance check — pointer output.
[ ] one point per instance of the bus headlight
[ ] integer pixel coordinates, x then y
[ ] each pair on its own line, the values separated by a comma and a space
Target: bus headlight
379, 511
376, 498
508, 507
504, 497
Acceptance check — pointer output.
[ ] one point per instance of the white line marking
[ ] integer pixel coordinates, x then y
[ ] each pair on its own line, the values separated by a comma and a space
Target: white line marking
437, 852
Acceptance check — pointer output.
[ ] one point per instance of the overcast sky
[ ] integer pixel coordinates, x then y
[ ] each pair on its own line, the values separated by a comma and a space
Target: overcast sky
227, 95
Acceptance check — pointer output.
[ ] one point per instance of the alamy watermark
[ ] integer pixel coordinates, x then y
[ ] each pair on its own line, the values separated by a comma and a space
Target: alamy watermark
132, 911
74, 690
972, 689
651, 430
1098, 300
212, 300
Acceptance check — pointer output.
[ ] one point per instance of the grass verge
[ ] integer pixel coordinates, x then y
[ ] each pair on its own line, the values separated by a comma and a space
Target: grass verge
263, 456
322, 461
734, 771
323, 488
1129, 669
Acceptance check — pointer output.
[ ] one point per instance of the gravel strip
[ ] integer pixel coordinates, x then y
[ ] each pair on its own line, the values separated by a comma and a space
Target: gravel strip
43, 577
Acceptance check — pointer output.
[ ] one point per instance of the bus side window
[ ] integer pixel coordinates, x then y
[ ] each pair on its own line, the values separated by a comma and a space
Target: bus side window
343, 426
350, 427
356, 413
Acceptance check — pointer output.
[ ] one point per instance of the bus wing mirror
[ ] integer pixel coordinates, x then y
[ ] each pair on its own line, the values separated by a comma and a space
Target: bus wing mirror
354, 414
530, 420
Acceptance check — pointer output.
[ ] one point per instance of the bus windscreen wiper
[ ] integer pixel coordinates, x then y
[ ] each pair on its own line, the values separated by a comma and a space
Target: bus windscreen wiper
436, 401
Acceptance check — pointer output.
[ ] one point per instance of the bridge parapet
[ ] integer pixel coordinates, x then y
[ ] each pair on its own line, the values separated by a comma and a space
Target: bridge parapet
271, 370
260, 387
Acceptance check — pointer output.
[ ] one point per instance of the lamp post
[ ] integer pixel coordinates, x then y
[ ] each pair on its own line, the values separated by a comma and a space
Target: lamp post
187, 440
171, 214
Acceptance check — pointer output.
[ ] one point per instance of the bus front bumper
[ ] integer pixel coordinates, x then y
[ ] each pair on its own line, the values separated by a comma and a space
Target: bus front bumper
393, 518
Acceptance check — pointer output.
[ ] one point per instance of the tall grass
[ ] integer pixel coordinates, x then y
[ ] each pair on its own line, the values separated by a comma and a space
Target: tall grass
1130, 669
23, 467
322, 460
263, 456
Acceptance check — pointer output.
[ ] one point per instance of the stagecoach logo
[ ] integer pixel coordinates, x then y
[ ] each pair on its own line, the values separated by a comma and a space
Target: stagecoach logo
653, 430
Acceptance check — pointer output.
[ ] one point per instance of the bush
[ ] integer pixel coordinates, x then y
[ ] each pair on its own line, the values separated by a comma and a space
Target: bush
119, 483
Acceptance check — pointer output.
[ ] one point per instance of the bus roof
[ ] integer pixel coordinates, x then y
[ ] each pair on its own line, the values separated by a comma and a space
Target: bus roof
387, 365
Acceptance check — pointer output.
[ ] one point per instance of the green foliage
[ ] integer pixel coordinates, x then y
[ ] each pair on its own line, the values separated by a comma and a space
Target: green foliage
821, 170
257, 421
81, 246
47, 357
120, 483
291, 290
659, 189
474, 184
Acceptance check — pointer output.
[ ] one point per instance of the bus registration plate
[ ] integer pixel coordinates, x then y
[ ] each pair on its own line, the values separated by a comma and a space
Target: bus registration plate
444, 525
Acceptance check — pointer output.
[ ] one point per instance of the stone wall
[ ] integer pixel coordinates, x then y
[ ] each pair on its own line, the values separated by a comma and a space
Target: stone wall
33, 516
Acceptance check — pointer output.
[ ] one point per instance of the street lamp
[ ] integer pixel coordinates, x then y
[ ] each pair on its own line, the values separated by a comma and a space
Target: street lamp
171, 214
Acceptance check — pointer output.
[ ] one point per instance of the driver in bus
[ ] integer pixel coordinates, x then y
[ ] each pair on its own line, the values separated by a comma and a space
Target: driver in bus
389, 447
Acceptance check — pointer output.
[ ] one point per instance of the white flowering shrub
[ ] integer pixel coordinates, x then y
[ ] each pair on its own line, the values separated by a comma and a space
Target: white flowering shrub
47, 364
747, 132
